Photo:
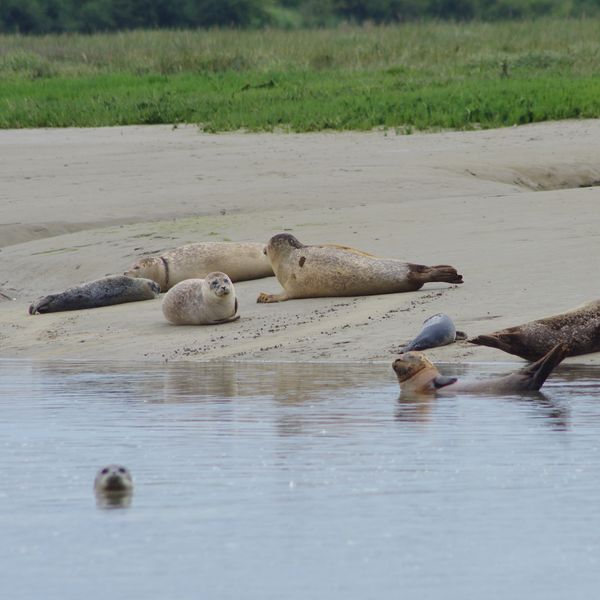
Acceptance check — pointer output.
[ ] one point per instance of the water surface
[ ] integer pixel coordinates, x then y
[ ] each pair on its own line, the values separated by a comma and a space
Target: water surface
295, 481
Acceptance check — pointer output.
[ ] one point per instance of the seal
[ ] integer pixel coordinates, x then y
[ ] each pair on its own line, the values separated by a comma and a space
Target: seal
115, 289
113, 479
329, 270
417, 375
579, 328
437, 330
241, 261
206, 301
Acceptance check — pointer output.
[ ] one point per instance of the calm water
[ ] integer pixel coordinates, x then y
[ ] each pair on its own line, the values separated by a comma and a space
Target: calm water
295, 481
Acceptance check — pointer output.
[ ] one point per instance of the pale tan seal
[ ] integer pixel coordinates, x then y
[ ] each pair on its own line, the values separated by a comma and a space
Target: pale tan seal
206, 301
241, 261
115, 289
318, 271
417, 375
113, 487
579, 328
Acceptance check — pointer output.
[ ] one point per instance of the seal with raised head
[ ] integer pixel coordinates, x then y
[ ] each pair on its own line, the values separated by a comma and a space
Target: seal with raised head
319, 271
579, 328
113, 486
437, 330
206, 301
115, 289
240, 260
418, 375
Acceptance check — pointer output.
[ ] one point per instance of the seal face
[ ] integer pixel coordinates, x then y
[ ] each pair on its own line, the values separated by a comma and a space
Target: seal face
417, 375
578, 328
437, 330
113, 479
206, 301
115, 289
240, 260
331, 270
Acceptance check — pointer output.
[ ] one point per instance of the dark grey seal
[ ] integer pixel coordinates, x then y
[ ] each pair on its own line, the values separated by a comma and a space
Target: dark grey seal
437, 330
115, 289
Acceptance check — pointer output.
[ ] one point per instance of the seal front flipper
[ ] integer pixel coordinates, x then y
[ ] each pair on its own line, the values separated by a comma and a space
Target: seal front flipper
441, 381
264, 298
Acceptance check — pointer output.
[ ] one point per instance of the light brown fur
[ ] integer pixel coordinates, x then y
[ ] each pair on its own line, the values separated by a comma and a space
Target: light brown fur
579, 328
206, 301
241, 261
418, 375
330, 270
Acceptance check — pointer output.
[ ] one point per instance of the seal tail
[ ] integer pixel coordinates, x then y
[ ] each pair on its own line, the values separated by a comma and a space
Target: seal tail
444, 273
537, 372
507, 341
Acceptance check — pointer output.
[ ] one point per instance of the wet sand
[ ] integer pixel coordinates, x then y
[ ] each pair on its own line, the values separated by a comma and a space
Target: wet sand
515, 210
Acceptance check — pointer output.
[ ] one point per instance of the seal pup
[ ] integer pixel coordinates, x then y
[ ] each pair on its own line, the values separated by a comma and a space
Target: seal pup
241, 261
115, 289
113, 486
319, 271
418, 375
437, 330
579, 328
206, 301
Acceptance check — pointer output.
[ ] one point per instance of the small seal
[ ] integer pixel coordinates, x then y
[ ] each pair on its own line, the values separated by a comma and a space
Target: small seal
115, 289
437, 330
113, 487
329, 270
240, 260
206, 301
579, 328
417, 375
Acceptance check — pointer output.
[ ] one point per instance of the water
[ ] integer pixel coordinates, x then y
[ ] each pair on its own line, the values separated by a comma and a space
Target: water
295, 481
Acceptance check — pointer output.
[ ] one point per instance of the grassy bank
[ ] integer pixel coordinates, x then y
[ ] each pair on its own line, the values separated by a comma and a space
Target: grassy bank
411, 76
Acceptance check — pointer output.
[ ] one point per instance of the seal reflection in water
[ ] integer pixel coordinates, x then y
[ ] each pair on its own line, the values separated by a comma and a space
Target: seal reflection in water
240, 260
115, 289
416, 374
329, 270
113, 487
579, 328
201, 301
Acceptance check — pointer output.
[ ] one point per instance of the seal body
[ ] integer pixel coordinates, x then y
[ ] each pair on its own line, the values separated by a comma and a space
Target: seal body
437, 330
201, 301
579, 328
115, 289
318, 271
241, 261
418, 375
113, 479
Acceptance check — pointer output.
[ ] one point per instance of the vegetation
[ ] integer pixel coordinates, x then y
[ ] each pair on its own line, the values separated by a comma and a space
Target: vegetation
420, 75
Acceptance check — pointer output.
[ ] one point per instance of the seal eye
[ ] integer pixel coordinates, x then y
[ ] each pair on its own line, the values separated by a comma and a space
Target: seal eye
104, 471
121, 470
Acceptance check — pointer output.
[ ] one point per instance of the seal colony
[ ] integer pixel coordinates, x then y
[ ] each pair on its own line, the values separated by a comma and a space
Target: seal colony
322, 271
579, 328
207, 301
241, 261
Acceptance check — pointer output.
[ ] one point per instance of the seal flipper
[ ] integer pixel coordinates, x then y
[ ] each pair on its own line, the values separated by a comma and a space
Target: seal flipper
441, 381
536, 373
461, 335
507, 341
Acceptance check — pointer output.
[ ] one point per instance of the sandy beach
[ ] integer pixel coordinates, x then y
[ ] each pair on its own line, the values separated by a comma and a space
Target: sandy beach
514, 210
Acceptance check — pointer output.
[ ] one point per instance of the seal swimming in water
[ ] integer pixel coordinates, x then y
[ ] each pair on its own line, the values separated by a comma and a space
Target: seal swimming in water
417, 375
437, 330
241, 261
579, 328
115, 289
113, 487
206, 301
319, 271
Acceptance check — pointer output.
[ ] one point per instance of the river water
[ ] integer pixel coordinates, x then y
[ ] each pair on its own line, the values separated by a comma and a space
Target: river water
294, 481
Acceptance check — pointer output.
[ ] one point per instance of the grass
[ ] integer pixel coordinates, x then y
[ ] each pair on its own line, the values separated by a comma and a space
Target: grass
417, 76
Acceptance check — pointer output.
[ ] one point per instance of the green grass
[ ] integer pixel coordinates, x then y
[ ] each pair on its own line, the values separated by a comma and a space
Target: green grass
418, 76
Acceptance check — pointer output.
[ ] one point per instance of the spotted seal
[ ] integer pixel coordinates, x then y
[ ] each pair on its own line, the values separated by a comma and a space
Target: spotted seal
437, 330
206, 301
115, 289
318, 271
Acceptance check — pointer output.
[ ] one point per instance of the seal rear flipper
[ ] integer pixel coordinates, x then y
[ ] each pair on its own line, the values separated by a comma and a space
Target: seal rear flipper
444, 273
508, 341
460, 336
537, 373
441, 381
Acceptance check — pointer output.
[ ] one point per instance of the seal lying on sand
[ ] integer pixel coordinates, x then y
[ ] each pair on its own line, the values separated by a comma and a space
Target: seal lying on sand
417, 375
437, 330
241, 261
102, 292
579, 328
318, 271
201, 301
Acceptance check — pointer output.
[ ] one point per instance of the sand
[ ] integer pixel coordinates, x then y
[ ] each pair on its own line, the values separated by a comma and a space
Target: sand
513, 209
